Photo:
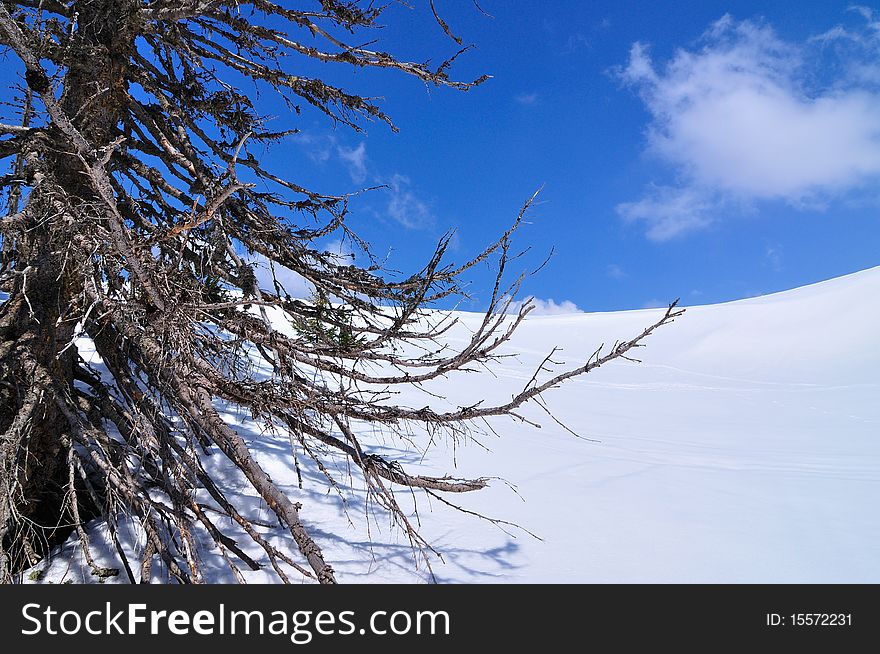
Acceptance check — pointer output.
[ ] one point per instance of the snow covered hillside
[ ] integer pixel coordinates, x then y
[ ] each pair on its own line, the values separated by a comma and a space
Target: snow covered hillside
744, 448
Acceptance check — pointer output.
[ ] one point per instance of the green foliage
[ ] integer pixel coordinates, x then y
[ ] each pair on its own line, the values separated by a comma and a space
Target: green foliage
329, 325
214, 292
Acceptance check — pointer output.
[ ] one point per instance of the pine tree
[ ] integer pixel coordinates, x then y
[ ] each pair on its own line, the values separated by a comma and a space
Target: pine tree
136, 204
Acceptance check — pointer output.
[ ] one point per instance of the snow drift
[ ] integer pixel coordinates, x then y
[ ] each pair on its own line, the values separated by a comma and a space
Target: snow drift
745, 447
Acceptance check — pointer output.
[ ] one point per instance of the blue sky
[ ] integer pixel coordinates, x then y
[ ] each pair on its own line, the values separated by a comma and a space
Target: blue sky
711, 151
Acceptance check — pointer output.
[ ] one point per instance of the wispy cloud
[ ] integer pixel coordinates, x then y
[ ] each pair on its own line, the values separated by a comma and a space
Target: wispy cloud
575, 42
355, 160
548, 307
870, 32
615, 272
667, 211
773, 258
527, 99
318, 148
743, 119
404, 206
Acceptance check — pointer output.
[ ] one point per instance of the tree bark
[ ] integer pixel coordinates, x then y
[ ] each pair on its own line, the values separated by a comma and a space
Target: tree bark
38, 322
34, 435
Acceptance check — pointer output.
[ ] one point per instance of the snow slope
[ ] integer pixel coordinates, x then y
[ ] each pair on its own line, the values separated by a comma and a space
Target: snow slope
744, 448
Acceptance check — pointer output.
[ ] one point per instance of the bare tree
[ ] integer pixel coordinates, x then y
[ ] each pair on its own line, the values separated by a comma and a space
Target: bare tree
135, 208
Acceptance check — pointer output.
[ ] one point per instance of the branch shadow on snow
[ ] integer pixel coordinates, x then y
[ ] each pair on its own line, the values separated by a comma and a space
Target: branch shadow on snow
357, 536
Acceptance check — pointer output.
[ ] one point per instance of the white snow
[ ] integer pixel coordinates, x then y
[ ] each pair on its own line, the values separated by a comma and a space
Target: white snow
744, 448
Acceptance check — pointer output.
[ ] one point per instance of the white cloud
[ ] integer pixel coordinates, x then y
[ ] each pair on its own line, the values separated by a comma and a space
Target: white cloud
871, 18
576, 42
318, 148
404, 206
615, 272
321, 147
527, 99
740, 119
548, 307
773, 258
355, 160
668, 212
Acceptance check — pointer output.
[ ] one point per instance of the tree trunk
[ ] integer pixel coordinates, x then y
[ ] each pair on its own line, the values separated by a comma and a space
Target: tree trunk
35, 435
37, 323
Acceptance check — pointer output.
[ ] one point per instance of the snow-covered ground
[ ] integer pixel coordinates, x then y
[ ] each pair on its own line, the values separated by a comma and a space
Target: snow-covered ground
744, 448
